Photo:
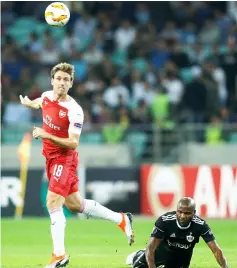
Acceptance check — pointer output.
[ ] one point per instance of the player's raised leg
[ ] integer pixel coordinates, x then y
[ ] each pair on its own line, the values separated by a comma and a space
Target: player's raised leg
58, 223
92, 208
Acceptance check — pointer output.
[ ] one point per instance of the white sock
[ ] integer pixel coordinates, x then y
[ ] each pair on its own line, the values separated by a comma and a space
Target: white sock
58, 224
92, 208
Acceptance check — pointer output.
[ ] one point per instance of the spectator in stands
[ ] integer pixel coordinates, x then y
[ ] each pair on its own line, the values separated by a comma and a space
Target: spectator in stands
212, 104
70, 44
81, 66
151, 76
94, 84
124, 117
214, 133
12, 65
159, 54
188, 34
197, 53
174, 88
160, 108
210, 33
149, 93
105, 70
125, 35
87, 125
220, 78
115, 93
177, 55
202, 12
170, 31
108, 36
97, 107
80, 94
93, 55
224, 23
232, 10
7, 83
228, 62
49, 55
182, 12
35, 44
26, 81
15, 113
113, 132
142, 13
84, 27
227, 116
9, 47
137, 87
42, 78
8, 16
194, 99
141, 114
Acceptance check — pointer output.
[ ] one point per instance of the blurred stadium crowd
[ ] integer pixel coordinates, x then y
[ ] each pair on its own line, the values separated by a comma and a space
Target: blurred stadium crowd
136, 62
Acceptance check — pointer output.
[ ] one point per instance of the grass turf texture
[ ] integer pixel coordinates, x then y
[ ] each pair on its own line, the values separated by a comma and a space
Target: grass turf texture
97, 243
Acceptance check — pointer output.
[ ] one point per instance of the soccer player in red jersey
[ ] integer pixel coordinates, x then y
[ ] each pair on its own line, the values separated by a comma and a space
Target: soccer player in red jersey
62, 124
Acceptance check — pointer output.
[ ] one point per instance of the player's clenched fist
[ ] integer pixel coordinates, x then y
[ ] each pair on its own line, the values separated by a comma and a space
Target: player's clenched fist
39, 133
25, 101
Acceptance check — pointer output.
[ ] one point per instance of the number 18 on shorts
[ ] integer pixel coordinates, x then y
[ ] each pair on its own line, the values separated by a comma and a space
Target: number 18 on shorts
61, 173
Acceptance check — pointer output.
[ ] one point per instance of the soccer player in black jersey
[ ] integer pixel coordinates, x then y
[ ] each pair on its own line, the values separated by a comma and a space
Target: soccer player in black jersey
173, 238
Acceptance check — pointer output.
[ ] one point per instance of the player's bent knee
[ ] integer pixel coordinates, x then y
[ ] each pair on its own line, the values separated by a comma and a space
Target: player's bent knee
74, 207
54, 200
74, 203
51, 204
139, 260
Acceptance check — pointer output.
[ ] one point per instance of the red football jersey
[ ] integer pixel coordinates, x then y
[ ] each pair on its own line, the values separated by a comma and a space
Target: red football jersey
59, 118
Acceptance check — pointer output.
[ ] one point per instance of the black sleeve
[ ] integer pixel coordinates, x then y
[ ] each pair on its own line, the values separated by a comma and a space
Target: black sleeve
159, 229
206, 233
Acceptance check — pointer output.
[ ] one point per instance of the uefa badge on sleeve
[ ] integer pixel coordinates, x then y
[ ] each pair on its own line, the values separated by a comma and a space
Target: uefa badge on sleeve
77, 125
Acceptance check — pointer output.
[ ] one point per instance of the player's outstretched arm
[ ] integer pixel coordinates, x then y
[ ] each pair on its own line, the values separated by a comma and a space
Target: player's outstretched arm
34, 104
150, 251
218, 253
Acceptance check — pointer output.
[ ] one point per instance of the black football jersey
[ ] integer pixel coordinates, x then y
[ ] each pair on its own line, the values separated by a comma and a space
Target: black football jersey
176, 248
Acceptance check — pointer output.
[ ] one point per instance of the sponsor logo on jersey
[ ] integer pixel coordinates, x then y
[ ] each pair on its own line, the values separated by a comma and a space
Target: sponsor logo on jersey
48, 121
62, 114
190, 238
178, 245
78, 125
165, 188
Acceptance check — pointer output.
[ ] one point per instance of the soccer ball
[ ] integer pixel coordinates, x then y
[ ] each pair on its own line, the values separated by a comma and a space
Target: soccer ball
57, 14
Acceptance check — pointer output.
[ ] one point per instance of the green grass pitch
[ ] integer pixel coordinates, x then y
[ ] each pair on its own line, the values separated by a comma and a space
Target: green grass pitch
97, 243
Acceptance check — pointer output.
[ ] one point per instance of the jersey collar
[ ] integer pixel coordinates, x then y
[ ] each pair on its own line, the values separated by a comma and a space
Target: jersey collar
182, 228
